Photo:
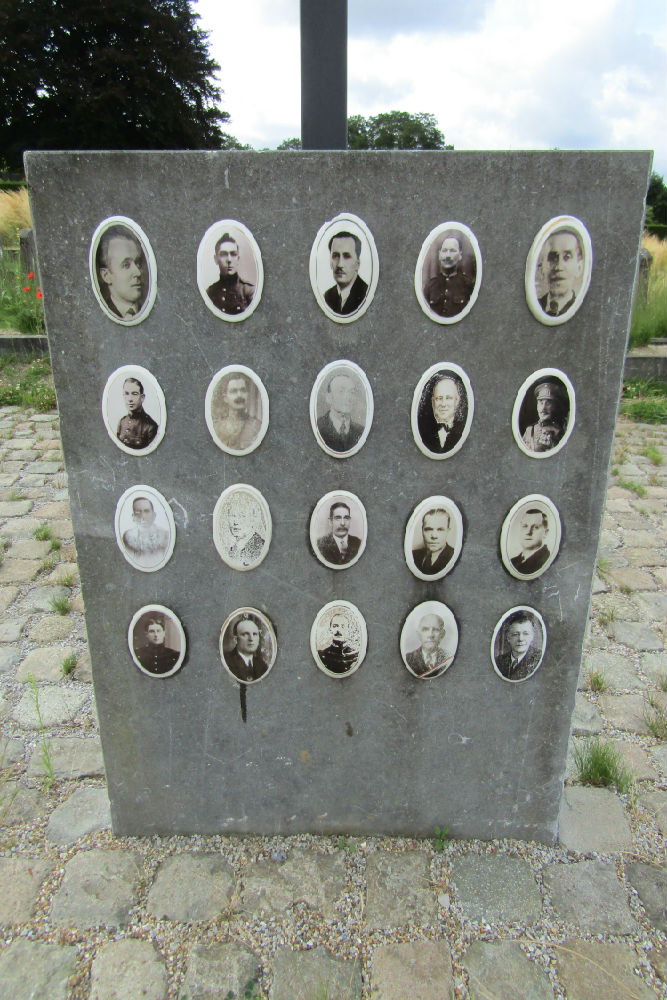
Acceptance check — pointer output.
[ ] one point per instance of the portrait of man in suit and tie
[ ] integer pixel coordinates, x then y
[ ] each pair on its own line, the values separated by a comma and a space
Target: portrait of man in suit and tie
530, 537
518, 644
341, 408
442, 411
429, 640
122, 270
558, 270
344, 268
247, 645
433, 538
338, 530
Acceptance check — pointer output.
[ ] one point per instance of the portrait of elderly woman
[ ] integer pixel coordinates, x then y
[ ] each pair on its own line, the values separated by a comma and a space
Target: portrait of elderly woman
241, 526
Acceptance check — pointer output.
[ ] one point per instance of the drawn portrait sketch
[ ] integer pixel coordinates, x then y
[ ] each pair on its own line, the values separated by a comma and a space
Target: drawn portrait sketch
558, 270
237, 409
518, 644
123, 271
448, 274
338, 529
145, 528
242, 526
248, 645
442, 410
544, 413
433, 538
338, 639
530, 537
230, 274
344, 268
341, 409
429, 640
134, 410
156, 641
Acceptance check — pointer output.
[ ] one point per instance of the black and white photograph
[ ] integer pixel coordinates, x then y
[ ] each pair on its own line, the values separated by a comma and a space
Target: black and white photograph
544, 413
156, 641
341, 408
448, 274
338, 639
145, 528
429, 640
433, 538
442, 410
241, 527
248, 645
530, 537
123, 271
558, 270
230, 274
237, 409
518, 644
338, 529
134, 410
344, 268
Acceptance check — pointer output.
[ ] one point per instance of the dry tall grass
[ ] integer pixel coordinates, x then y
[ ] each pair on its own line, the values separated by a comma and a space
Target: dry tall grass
14, 215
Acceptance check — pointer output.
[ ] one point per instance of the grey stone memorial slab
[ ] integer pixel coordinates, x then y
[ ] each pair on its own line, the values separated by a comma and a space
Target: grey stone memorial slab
300, 751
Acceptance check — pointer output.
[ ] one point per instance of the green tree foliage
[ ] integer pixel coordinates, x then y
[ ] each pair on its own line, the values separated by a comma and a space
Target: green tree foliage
656, 200
105, 74
395, 130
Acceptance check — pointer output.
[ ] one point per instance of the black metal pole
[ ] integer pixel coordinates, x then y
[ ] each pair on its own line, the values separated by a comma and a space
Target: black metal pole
324, 74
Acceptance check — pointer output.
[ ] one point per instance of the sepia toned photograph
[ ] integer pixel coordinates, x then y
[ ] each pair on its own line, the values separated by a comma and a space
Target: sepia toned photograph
237, 409
442, 410
248, 645
134, 410
530, 537
558, 270
543, 413
448, 274
242, 527
341, 408
338, 639
518, 644
338, 529
145, 528
429, 640
230, 274
123, 271
344, 268
156, 641
433, 538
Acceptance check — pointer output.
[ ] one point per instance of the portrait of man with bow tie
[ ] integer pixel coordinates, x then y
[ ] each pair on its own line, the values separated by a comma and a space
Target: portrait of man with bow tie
443, 413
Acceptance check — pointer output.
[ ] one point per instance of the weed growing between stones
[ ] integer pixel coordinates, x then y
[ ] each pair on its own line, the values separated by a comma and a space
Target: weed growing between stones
633, 487
606, 616
45, 748
6, 773
43, 532
662, 682
249, 992
67, 579
655, 717
596, 681
653, 454
55, 545
441, 837
27, 382
599, 763
15, 495
645, 401
69, 663
603, 566
60, 605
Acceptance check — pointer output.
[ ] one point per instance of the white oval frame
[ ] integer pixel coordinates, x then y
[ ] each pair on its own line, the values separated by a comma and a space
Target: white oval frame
157, 609
444, 367
334, 607
263, 395
206, 250
531, 499
455, 519
327, 500
268, 625
147, 379
423, 253
156, 498
425, 608
550, 228
142, 239
499, 625
328, 372
538, 376
217, 513
319, 263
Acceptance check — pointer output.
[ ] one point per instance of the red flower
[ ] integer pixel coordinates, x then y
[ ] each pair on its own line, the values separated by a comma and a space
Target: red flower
39, 293
31, 275
27, 288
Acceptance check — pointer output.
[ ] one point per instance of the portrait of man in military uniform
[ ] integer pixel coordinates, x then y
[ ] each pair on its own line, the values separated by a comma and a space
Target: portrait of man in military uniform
448, 273
548, 400
237, 407
229, 270
157, 641
134, 410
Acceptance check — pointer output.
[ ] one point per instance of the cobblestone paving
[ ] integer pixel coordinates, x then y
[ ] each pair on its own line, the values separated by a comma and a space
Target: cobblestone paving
85, 915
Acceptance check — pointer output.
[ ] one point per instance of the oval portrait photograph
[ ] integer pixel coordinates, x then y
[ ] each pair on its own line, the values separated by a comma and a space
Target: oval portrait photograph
558, 270
518, 644
145, 528
341, 408
338, 639
448, 274
433, 538
338, 529
442, 410
230, 275
241, 526
156, 641
247, 645
344, 268
237, 409
543, 413
530, 537
123, 271
134, 410
429, 640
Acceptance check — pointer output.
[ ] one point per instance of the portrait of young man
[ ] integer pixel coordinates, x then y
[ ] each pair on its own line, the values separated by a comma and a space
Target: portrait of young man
122, 273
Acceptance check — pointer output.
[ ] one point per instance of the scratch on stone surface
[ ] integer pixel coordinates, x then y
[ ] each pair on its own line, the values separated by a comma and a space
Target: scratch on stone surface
227, 178
576, 596
553, 592
173, 503
459, 738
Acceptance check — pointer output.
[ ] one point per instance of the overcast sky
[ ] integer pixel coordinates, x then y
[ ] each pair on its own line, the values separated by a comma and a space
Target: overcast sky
497, 74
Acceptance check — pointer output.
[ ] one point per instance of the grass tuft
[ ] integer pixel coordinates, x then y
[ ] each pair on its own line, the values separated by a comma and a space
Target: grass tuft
43, 532
14, 215
655, 717
599, 763
653, 454
649, 316
633, 487
26, 381
596, 681
69, 664
60, 605
645, 400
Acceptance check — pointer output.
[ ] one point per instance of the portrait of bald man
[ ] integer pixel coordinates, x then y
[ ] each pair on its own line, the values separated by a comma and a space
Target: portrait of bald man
442, 413
429, 658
